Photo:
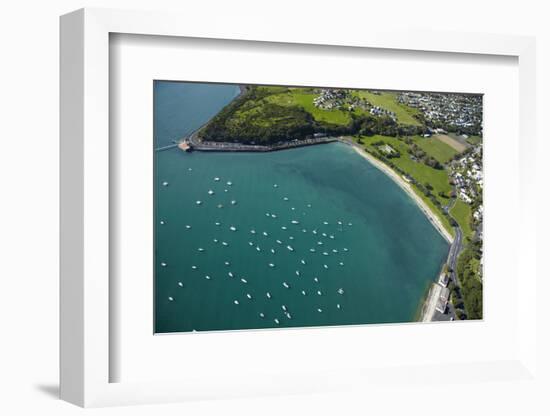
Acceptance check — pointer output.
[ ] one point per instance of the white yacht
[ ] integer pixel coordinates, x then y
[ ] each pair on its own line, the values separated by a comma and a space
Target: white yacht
230, 274
303, 261
286, 285
312, 250
229, 183
194, 267
180, 284
236, 302
290, 248
325, 266
170, 298
340, 291
233, 202
319, 310
262, 315
188, 226
276, 321
207, 277
224, 243
271, 265
265, 234
244, 280
198, 202
163, 264
161, 222
297, 272
268, 295
319, 293
249, 296
210, 192
283, 228
232, 228
279, 241
164, 183
200, 249
303, 292
216, 179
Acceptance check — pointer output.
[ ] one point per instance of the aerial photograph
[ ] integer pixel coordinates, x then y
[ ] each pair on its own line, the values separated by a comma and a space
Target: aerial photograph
299, 206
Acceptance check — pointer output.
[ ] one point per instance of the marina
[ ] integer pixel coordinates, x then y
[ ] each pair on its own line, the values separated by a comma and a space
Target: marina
355, 275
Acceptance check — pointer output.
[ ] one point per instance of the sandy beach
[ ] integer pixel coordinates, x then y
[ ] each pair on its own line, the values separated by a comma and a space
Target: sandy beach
430, 303
407, 188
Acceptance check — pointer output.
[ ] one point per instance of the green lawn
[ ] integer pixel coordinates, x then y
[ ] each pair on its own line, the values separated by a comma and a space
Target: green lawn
304, 97
474, 140
434, 147
461, 212
388, 101
419, 171
422, 173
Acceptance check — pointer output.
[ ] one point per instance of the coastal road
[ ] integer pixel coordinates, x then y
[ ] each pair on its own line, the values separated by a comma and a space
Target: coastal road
454, 251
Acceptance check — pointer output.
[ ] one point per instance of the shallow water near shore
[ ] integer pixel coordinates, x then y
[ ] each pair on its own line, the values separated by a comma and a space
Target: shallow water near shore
333, 240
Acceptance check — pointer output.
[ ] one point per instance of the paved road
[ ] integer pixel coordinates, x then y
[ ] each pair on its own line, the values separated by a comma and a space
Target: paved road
454, 251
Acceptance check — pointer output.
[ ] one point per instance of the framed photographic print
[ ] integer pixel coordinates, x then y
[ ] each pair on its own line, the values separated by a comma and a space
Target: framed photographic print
316, 214
281, 206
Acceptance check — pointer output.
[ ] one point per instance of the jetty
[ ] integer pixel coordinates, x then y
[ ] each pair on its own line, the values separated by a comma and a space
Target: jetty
192, 143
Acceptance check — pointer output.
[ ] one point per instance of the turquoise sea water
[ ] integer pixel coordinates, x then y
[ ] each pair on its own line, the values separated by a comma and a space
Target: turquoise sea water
318, 220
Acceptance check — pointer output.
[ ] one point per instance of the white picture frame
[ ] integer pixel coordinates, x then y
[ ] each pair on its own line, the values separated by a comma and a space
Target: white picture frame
85, 263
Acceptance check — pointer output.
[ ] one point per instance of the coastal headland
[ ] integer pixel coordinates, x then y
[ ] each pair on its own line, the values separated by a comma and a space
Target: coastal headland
391, 133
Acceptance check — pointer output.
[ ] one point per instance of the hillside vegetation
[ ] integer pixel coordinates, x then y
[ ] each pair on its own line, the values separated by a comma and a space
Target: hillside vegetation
268, 115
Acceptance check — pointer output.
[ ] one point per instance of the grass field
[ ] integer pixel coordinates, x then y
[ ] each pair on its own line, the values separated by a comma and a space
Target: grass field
304, 98
436, 148
388, 101
461, 212
422, 173
474, 140
419, 171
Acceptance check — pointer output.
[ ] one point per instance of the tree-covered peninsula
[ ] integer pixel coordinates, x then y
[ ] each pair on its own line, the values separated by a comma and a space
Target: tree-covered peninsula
269, 115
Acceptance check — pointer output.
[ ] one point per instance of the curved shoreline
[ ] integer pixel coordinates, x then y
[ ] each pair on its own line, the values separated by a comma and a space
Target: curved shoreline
436, 222
429, 299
